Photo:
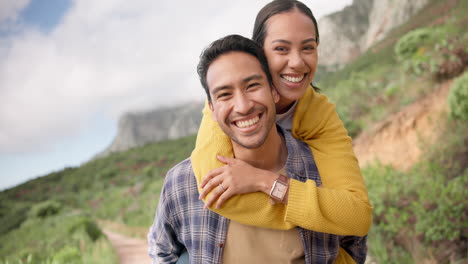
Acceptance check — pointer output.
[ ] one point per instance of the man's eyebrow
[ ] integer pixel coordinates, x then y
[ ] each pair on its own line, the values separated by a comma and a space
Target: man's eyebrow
289, 42
245, 80
220, 88
252, 77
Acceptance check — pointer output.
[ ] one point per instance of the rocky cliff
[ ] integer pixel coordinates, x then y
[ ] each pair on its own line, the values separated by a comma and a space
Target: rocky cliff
140, 128
346, 34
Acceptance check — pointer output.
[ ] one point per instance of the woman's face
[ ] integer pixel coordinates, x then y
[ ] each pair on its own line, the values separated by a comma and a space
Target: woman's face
291, 48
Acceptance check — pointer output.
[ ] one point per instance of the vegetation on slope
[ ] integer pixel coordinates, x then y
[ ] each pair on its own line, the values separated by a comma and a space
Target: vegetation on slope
419, 216
59, 210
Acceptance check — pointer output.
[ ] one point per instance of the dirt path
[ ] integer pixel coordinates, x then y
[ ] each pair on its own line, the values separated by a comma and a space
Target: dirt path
129, 250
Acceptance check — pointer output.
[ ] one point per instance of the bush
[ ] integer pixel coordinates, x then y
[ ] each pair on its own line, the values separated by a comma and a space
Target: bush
414, 50
458, 98
410, 43
67, 255
89, 226
12, 218
45, 209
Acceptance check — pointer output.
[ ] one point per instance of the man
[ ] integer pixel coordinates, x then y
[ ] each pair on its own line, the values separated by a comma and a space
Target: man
234, 73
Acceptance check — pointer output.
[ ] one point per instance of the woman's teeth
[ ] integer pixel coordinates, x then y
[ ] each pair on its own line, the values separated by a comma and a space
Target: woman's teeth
293, 79
247, 123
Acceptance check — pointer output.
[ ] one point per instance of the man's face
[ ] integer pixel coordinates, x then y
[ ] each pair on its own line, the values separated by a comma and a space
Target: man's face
243, 103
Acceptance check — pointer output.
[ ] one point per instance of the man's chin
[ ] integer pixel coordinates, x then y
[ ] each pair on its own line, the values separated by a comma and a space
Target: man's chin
250, 144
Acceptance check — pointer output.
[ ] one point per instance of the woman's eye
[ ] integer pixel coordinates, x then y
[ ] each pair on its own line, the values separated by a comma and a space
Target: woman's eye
309, 48
281, 49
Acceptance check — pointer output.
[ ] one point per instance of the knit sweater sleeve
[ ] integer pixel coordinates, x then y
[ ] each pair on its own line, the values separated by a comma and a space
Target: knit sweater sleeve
341, 202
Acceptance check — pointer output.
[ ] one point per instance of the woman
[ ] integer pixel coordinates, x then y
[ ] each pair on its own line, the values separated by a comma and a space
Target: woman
288, 33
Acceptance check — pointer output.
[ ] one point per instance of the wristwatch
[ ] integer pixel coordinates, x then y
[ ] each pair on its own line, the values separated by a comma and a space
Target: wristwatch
279, 188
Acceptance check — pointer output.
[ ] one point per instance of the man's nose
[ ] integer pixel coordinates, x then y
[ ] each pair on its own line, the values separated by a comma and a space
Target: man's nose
242, 103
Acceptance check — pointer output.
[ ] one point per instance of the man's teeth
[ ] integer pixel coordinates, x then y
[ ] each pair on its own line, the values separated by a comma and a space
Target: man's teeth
292, 79
247, 123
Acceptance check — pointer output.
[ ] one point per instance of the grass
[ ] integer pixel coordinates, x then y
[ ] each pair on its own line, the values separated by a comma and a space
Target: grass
419, 215
121, 188
69, 235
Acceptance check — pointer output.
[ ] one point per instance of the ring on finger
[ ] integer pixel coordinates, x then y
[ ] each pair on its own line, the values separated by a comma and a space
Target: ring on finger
222, 188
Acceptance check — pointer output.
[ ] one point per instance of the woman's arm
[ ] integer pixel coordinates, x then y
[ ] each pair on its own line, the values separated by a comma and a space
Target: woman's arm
342, 200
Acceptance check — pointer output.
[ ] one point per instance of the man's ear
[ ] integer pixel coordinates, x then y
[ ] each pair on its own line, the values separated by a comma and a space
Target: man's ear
213, 116
275, 94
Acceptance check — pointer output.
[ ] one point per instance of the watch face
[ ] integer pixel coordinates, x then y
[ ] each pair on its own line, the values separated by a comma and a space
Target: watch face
279, 190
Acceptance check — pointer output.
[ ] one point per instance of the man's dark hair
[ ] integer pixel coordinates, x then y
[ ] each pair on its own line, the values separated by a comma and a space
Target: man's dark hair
277, 7
226, 45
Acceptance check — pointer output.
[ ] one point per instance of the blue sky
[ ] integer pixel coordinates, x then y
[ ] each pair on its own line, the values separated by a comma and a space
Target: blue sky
70, 68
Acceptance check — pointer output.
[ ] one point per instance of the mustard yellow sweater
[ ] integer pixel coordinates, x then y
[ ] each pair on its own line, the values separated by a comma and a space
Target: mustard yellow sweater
340, 206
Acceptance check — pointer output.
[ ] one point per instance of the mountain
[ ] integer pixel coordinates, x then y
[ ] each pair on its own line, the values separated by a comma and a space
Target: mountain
140, 128
346, 34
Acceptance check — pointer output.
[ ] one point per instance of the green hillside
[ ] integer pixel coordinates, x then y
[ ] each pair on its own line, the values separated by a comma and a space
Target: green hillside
59, 211
420, 215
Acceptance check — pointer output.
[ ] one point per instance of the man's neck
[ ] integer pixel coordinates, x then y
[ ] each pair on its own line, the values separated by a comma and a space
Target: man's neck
270, 156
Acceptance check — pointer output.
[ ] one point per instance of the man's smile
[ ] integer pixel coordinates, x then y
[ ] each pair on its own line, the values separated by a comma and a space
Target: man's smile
248, 122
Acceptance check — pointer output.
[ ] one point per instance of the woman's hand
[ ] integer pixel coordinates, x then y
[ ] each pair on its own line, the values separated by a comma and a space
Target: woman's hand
236, 177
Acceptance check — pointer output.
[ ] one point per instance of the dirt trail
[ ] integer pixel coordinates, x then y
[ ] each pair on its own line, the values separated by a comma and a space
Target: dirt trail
129, 250
397, 140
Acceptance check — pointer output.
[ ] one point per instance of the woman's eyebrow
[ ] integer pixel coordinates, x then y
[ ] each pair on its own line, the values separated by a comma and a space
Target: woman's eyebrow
313, 39
309, 40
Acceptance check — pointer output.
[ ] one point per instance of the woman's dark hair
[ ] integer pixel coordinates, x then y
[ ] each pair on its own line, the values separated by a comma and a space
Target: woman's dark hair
277, 7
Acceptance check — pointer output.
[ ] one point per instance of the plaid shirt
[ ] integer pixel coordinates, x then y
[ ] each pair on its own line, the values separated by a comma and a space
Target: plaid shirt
181, 222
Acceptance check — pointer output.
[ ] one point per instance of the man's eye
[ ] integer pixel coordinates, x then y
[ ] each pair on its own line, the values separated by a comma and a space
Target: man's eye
223, 95
252, 85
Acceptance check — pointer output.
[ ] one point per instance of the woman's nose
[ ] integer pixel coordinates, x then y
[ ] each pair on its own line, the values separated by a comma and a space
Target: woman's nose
295, 60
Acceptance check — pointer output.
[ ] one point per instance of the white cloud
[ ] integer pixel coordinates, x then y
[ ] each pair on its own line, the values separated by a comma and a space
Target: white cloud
9, 9
110, 56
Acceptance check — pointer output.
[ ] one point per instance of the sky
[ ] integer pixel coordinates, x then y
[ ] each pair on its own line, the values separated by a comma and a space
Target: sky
70, 68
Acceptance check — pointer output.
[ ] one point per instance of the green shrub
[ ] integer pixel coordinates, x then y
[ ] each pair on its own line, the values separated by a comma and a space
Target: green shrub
458, 98
89, 226
413, 50
69, 255
410, 43
45, 209
12, 218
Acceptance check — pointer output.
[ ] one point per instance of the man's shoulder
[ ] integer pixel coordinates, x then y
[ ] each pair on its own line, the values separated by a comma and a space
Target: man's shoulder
180, 174
183, 167
300, 163
295, 146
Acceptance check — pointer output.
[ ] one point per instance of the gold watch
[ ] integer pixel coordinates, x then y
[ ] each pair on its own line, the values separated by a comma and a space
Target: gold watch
280, 188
